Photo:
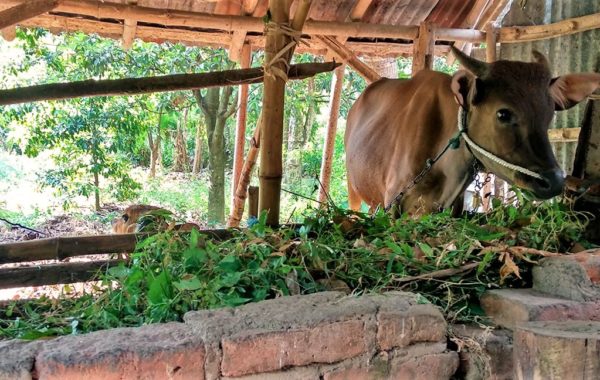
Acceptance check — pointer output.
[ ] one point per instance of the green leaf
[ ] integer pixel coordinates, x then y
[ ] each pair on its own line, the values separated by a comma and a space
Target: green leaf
119, 272
190, 282
427, 250
159, 289
230, 263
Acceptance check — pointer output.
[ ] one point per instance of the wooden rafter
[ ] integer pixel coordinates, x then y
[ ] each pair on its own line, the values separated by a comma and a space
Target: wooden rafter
359, 9
26, 10
348, 57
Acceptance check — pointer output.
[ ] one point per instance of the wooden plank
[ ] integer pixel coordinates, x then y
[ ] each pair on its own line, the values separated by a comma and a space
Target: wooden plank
129, 29
24, 11
51, 274
131, 86
240, 130
359, 10
347, 56
423, 53
328, 146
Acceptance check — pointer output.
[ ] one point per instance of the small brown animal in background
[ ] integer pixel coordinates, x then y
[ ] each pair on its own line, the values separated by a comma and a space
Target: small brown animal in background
136, 218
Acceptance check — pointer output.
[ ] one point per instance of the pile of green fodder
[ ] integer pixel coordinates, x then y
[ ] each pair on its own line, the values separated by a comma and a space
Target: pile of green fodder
449, 261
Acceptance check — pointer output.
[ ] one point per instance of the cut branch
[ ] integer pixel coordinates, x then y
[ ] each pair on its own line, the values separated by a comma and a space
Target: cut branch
438, 273
131, 86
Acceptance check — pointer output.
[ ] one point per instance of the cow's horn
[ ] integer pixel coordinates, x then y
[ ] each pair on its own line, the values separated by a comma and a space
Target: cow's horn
541, 59
475, 66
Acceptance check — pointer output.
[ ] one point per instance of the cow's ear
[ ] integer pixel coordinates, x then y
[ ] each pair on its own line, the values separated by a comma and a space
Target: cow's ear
568, 90
467, 88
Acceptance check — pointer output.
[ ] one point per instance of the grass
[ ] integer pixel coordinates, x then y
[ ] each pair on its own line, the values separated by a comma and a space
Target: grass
449, 261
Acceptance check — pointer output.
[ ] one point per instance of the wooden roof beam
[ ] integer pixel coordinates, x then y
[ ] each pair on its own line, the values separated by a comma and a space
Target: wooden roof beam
24, 11
227, 23
348, 57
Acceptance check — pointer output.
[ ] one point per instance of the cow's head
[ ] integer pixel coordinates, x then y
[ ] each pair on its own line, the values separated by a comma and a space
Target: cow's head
510, 105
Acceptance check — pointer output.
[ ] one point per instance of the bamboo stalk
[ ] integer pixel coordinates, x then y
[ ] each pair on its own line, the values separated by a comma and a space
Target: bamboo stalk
542, 32
51, 274
60, 248
131, 86
240, 130
328, 147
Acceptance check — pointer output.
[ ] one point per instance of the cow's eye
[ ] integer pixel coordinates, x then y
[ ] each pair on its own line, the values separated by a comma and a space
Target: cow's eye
504, 115
125, 217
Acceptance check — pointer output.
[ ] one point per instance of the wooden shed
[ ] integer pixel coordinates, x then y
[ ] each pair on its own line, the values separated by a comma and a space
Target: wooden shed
346, 30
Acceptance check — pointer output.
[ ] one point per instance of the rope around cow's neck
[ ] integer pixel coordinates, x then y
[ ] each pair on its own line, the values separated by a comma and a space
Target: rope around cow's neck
454, 143
462, 129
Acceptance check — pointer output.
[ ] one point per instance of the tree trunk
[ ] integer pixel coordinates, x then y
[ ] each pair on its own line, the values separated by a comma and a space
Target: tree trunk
181, 160
197, 166
216, 108
298, 136
154, 147
97, 191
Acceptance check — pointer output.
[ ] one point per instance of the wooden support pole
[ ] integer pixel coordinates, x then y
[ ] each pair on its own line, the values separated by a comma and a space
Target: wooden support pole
129, 28
132, 86
237, 209
490, 42
240, 130
423, 53
25, 10
490, 54
271, 138
348, 57
9, 33
328, 147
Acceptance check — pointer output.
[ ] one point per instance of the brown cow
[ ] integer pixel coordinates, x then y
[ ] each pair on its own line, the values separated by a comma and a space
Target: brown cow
130, 221
396, 125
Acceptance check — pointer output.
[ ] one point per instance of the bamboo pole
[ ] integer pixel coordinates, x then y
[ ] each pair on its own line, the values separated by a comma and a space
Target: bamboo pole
132, 86
423, 53
271, 165
237, 210
252, 202
25, 10
328, 147
60, 248
490, 55
51, 274
240, 130
542, 32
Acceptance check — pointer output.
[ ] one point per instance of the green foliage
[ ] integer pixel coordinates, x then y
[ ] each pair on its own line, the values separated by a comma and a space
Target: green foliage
170, 274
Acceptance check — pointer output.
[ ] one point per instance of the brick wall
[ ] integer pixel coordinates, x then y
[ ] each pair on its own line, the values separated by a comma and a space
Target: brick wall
326, 336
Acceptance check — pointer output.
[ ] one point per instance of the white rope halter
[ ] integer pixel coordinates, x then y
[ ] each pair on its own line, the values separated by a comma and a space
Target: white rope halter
490, 156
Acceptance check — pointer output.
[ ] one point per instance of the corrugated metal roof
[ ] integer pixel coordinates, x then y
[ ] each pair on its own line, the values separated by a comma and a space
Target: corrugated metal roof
569, 54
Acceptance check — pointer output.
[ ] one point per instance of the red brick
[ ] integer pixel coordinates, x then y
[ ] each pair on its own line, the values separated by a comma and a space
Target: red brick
353, 374
400, 329
508, 307
429, 367
575, 277
166, 351
273, 350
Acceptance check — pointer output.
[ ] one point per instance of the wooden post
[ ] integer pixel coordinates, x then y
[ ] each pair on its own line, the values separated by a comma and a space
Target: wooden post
9, 33
328, 147
490, 55
490, 41
423, 49
240, 131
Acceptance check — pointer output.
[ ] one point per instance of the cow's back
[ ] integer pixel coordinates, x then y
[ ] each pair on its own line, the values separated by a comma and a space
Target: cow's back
393, 127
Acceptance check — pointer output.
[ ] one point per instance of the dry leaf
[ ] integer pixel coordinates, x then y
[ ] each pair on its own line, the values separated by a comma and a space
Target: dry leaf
509, 267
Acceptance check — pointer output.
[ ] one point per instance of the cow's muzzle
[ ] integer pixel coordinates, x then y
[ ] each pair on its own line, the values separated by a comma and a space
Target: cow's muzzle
550, 185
